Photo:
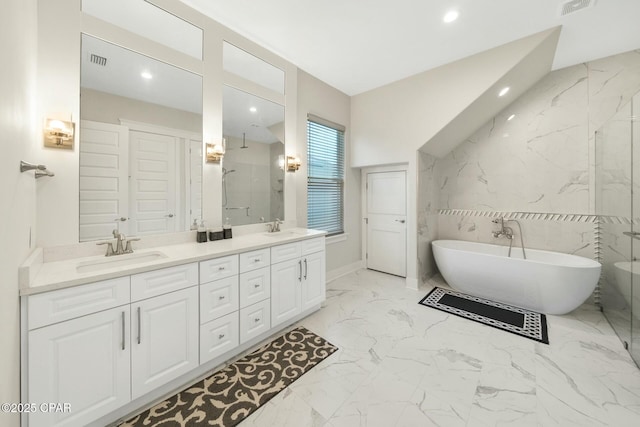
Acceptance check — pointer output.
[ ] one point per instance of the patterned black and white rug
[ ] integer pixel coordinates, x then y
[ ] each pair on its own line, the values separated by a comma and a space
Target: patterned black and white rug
230, 395
516, 320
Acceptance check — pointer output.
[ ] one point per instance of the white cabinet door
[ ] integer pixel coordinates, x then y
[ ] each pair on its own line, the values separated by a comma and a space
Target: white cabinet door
84, 362
313, 280
286, 280
164, 335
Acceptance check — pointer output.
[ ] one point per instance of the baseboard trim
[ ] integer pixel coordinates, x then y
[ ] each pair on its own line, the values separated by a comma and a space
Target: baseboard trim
344, 270
412, 283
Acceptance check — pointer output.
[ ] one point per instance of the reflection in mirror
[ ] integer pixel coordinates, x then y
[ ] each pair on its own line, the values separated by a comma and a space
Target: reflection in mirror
140, 143
252, 176
147, 20
245, 65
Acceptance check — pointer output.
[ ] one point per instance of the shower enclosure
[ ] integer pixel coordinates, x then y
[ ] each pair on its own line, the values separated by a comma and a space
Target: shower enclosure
617, 145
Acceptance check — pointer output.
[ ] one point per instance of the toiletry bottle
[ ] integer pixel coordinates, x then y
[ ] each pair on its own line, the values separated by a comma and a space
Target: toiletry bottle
202, 233
194, 226
226, 229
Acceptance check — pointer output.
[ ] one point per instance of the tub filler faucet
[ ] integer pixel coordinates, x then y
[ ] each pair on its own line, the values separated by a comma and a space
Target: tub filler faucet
507, 232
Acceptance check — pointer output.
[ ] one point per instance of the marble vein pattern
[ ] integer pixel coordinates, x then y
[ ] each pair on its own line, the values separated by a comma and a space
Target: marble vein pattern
402, 364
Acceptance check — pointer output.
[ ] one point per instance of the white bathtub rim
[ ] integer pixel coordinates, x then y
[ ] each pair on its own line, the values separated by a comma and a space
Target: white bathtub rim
516, 252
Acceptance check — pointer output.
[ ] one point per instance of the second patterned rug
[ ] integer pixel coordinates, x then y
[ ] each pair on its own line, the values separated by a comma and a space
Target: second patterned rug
233, 393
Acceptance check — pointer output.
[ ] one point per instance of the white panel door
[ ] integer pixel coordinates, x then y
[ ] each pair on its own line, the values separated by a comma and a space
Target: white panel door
84, 362
164, 338
386, 222
103, 179
286, 281
153, 190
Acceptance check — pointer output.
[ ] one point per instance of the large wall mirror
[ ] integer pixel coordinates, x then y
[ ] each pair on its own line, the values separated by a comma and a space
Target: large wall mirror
140, 143
253, 129
252, 173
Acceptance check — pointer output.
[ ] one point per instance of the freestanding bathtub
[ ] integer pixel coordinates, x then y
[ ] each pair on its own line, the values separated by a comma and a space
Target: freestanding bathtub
547, 282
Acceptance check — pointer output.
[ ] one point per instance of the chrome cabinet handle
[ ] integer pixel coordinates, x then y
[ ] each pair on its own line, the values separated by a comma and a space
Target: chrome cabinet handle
220, 336
220, 268
300, 275
305, 269
256, 260
169, 216
257, 319
139, 326
123, 341
221, 297
257, 285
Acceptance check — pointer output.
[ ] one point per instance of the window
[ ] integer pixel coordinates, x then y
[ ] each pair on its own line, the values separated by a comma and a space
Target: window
325, 179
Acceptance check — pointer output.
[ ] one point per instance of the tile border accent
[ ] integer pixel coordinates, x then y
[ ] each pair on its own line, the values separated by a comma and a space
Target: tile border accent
542, 216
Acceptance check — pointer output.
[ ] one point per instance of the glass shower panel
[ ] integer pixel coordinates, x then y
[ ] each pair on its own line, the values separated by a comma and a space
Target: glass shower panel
614, 176
634, 129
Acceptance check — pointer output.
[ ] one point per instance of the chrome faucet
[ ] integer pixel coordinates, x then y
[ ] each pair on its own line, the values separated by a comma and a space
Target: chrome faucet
508, 233
123, 245
274, 226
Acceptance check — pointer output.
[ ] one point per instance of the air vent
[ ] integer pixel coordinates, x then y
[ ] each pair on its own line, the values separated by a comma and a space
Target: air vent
575, 5
99, 60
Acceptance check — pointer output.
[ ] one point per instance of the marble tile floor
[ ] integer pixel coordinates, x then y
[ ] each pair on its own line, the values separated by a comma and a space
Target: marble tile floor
403, 364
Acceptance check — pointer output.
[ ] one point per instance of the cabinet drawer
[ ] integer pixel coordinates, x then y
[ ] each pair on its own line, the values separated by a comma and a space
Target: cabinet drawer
165, 280
218, 298
285, 252
254, 260
312, 245
218, 336
255, 286
218, 268
57, 306
254, 320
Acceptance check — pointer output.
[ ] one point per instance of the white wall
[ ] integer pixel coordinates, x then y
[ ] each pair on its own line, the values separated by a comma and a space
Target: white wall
391, 122
18, 101
318, 98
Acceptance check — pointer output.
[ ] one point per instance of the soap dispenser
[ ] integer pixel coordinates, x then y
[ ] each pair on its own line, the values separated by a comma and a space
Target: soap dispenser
202, 233
226, 229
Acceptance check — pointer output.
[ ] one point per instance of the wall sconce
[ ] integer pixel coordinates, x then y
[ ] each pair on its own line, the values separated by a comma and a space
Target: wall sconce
58, 133
292, 163
215, 152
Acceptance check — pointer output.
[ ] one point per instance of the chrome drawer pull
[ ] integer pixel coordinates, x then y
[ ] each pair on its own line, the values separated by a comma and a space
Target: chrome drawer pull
220, 336
221, 297
123, 344
139, 326
257, 319
220, 268
257, 285
256, 260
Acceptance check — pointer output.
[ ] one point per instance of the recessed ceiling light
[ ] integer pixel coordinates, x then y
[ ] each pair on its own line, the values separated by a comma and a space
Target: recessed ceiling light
504, 91
450, 16
511, 117
146, 75
253, 109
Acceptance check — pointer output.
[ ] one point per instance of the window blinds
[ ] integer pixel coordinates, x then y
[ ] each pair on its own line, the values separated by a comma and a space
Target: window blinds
325, 177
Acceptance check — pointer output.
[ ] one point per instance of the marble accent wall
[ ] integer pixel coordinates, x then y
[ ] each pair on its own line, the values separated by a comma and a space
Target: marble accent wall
427, 214
537, 155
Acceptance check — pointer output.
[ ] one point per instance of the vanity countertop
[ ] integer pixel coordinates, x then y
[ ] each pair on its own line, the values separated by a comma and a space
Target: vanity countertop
64, 274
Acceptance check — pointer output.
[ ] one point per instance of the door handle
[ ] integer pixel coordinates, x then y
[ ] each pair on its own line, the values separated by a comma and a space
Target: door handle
121, 219
305, 269
169, 216
139, 326
123, 341
401, 221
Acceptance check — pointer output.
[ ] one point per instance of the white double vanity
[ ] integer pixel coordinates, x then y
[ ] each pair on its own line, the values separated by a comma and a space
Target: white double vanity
112, 335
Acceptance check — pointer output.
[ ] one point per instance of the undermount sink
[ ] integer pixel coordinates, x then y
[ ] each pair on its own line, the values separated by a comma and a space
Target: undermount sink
118, 261
281, 233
